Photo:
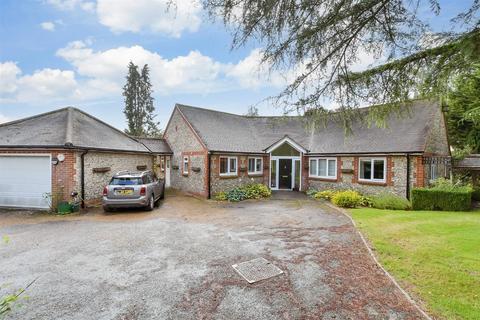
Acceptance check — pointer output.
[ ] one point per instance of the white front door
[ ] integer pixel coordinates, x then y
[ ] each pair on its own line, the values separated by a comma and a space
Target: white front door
25, 180
167, 171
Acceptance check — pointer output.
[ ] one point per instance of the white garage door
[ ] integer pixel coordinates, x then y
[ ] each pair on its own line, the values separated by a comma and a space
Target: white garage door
24, 181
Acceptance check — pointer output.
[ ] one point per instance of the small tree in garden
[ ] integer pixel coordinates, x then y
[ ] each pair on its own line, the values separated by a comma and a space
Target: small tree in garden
139, 108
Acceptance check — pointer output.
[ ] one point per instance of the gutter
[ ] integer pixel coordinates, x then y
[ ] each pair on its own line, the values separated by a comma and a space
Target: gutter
209, 187
407, 189
82, 177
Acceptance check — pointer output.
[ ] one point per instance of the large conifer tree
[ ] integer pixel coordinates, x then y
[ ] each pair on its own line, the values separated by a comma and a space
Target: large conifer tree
139, 109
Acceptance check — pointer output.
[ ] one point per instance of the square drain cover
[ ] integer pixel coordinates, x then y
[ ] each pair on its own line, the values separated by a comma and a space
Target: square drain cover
257, 269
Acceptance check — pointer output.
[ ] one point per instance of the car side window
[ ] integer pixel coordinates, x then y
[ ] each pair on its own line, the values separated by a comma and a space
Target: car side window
146, 179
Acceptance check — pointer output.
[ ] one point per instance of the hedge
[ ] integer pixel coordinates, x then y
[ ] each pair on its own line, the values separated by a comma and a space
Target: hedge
438, 199
476, 194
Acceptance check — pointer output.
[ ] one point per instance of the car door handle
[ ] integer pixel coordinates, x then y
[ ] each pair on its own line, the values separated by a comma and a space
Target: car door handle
284, 176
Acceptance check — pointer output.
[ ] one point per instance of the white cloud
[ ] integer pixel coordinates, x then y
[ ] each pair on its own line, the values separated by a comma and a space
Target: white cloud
8, 77
4, 118
52, 84
101, 74
68, 5
159, 16
48, 25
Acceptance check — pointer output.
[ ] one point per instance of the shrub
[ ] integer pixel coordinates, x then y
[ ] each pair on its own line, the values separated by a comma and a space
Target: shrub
312, 192
250, 191
347, 199
221, 196
457, 199
366, 202
476, 194
325, 194
390, 201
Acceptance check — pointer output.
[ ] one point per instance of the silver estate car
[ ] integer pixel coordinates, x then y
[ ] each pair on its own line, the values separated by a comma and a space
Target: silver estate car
133, 189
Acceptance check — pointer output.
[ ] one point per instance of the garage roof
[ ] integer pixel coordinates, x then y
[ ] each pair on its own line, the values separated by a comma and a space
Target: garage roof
72, 128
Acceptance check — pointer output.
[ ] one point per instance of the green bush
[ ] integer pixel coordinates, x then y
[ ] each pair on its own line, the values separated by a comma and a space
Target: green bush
347, 199
476, 194
250, 191
325, 194
390, 201
221, 196
366, 202
312, 192
457, 199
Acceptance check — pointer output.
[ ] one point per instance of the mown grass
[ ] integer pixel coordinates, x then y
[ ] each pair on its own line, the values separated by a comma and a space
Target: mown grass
434, 255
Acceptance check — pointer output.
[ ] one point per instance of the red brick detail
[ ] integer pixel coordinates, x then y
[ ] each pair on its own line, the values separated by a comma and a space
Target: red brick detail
420, 173
63, 173
305, 168
390, 172
266, 170
355, 170
339, 169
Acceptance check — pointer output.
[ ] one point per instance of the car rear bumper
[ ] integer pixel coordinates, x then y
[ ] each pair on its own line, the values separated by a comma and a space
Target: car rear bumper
125, 203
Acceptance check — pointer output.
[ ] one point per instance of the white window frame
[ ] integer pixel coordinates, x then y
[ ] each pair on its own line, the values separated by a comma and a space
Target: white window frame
162, 164
255, 159
317, 159
371, 169
228, 173
186, 161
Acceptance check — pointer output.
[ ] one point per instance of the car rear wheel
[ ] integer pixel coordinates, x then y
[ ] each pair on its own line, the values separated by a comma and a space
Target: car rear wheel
151, 203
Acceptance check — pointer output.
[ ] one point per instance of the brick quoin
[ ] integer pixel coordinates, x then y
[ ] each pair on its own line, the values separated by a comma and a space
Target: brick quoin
390, 172
420, 173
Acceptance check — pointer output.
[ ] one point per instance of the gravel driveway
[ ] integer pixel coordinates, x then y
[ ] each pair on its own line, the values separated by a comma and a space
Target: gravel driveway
175, 263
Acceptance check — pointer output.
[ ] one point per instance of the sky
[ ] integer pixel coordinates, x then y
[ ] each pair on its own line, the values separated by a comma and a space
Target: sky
57, 53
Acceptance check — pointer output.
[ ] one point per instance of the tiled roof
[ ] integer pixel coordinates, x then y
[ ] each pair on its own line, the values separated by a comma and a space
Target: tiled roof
470, 162
228, 132
67, 127
156, 145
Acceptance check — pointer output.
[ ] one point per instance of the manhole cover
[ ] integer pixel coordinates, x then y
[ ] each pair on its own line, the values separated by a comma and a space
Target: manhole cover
256, 270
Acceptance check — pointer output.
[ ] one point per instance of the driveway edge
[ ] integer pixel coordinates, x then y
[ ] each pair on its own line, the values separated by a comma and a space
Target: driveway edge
405, 293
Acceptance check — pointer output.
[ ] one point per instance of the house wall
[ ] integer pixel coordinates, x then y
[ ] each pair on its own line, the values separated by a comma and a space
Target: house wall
437, 140
184, 142
396, 176
63, 174
96, 181
224, 183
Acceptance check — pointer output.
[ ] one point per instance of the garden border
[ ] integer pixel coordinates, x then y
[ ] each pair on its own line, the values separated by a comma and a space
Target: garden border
405, 293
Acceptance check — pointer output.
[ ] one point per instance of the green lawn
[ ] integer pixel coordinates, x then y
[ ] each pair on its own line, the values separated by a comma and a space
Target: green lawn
434, 255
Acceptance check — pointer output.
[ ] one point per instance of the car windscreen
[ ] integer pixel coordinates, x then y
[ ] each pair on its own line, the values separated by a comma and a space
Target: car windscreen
126, 181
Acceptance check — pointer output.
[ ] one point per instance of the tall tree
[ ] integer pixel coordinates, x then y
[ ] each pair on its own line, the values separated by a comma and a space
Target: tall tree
252, 111
325, 39
463, 117
139, 109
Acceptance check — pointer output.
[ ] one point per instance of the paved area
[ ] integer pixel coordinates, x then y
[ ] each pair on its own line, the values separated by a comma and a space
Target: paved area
175, 263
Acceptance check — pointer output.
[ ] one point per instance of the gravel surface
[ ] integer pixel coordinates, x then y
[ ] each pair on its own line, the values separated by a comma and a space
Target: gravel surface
175, 263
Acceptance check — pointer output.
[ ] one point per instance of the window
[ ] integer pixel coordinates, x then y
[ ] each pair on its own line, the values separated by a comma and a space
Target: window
162, 164
323, 168
372, 169
255, 165
185, 165
228, 166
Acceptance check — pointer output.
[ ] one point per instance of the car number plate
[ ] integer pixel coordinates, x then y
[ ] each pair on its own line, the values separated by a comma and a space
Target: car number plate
125, 192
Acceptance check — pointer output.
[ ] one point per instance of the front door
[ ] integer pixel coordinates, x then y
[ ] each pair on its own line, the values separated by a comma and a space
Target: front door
285, 173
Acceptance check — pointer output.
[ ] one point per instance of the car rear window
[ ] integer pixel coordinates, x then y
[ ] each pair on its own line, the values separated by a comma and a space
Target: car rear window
126, 181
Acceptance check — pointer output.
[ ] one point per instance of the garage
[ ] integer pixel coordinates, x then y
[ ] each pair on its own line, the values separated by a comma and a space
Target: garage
25, 179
